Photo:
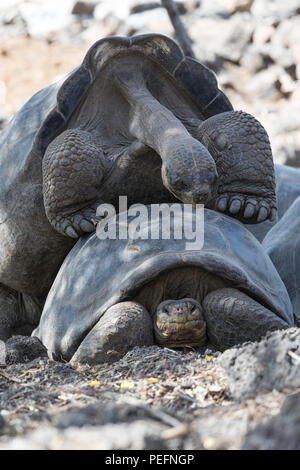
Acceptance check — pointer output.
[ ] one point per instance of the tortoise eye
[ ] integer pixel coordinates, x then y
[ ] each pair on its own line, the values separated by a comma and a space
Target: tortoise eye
220, 141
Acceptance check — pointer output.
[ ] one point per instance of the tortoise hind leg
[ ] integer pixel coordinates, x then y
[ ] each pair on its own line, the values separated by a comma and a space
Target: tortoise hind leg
122, 327
241, 149
19, 314
234, 318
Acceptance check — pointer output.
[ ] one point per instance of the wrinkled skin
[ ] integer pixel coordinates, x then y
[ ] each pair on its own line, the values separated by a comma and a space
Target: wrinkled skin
179, 323
228, 165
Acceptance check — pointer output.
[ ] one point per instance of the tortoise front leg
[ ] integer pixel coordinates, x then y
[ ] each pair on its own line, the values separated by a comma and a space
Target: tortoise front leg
72, 175
122, 327
233, 318
241, 149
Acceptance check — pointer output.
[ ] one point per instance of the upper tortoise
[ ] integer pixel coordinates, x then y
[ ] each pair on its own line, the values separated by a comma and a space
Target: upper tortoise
137, 118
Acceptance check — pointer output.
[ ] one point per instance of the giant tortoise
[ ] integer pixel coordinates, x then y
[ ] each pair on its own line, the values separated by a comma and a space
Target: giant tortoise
128, 121
282, 244
110, 294
287, 190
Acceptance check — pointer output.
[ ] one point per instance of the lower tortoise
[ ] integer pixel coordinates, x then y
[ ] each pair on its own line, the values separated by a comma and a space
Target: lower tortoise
111, 295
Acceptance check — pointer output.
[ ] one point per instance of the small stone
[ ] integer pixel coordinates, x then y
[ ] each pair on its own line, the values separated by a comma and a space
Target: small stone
234, 6
22, 349
84, 8
281, 432
263, 366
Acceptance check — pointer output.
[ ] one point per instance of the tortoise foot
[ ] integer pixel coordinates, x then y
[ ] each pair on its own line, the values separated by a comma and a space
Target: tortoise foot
246, 208
241, 149
122, 327
78, 223
72, 175
234, 318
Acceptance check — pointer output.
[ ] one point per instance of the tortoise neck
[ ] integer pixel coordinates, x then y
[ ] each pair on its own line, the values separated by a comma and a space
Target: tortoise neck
150, 122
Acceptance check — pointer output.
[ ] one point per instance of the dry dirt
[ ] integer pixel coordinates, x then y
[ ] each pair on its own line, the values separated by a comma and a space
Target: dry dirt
182, 399
28, 65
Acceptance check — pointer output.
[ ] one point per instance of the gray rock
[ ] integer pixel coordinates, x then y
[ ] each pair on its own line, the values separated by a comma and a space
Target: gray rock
44, 18
271, 84
281, 432
274, 11
118, 8
20, 349
150, 21
210, 9
262, 34
183, 6
140, 7
11, 22
229, 43
235, 6
84, 8
255, 59
287, 149
286, 36
99, 414
216, 431
139, 435
278, 54
272, 363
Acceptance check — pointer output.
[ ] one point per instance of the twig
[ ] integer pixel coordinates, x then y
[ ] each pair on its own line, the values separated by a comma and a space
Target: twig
178, 431
180, 30
185, 397
11, 379
294, 355
158, 414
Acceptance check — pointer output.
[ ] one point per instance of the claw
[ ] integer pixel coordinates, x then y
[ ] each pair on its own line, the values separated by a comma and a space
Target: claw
249, 211
222, 204
96, 218
262, 215
86, 226
71, 232
235, 206
273, 215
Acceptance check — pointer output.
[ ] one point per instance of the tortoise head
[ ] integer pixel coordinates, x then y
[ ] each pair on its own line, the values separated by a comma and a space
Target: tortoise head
189, 172
179, 323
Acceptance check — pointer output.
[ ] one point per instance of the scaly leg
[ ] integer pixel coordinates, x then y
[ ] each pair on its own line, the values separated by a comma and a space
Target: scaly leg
241, 149
233, 318
122, 327
72, 174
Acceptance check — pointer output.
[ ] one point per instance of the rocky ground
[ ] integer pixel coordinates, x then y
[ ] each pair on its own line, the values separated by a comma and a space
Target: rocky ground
252, 45
154, 398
